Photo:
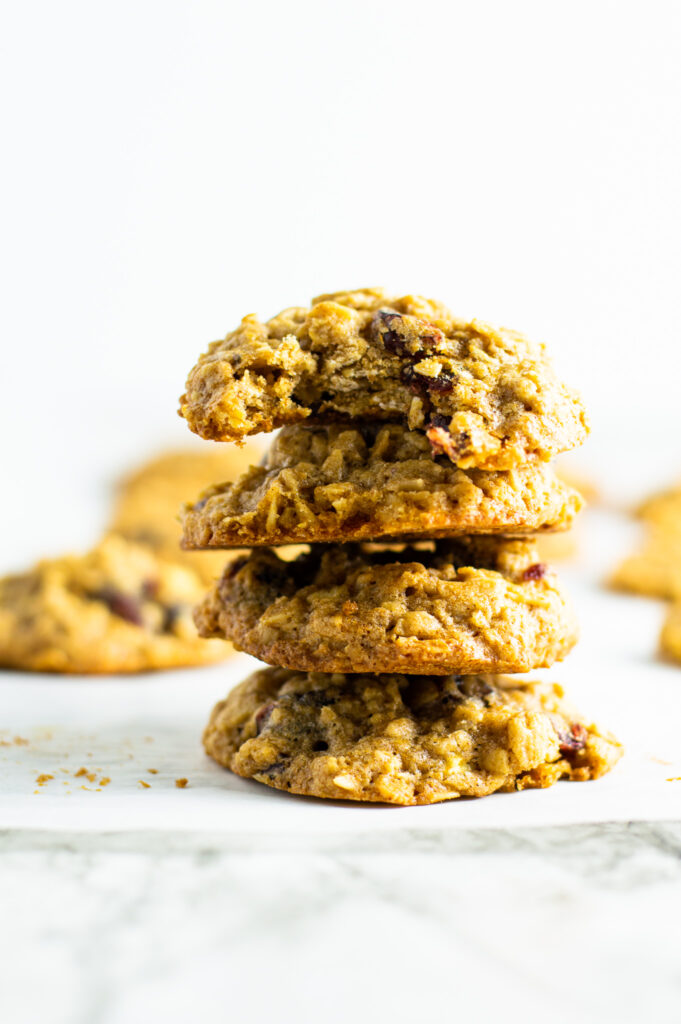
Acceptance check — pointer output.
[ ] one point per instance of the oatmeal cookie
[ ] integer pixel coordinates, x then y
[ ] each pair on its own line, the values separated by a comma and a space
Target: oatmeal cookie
472, 605
653, 570
340, 483
485, 397
119, 608
148, 500
403, 739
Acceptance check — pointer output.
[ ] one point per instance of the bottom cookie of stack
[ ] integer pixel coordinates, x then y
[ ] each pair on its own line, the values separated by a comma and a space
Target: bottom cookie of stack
403, 739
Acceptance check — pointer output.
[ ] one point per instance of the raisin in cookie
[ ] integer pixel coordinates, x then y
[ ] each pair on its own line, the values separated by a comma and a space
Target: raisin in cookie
472, 605
484, 397
119, 608
403, 740
339, 483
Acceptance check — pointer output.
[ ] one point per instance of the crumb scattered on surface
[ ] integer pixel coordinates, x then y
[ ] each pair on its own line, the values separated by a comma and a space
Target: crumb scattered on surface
181, 783
81, 772
42, 779
143, 783
675, 778
105, 780
153, 771
19, 741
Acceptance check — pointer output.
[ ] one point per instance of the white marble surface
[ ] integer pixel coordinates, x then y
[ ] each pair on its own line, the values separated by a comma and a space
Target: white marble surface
556, 924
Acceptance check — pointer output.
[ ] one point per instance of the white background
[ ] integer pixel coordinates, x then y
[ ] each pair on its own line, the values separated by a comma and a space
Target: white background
168, 167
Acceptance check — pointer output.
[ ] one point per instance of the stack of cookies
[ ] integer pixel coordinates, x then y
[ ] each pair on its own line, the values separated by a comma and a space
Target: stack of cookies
412, 463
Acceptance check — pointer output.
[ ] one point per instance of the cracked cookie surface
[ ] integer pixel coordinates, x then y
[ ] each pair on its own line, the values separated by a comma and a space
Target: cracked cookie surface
468, 605
485, 397
403, 739
118, 608
340, 483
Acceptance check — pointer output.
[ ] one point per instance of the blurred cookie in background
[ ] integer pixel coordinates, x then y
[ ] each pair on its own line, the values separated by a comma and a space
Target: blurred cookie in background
563, 547
118, 608
149, 498
670, 637
654, 568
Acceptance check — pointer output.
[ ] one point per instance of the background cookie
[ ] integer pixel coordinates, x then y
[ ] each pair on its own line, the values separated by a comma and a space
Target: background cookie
119, 608
148, 499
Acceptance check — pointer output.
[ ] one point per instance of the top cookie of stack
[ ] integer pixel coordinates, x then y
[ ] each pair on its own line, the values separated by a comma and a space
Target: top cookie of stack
419, 427
485, 397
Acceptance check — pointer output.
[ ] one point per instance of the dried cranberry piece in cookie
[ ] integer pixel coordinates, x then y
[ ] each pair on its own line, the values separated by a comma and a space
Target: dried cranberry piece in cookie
535, 572
442, 441
572, 740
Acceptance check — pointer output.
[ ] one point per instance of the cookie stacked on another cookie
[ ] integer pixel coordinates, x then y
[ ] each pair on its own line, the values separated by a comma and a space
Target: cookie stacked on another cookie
412, 463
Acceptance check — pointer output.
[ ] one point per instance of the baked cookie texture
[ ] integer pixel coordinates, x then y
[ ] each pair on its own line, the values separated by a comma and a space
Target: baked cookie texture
119, 608
403, 739
468, 605
148, 500
340, 483
485, 397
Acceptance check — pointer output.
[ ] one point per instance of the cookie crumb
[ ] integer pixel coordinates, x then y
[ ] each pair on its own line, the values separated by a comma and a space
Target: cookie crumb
674, 778
80, 773
143, 783
42, 779
105, 780
181, 783
19, 741
153, 771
